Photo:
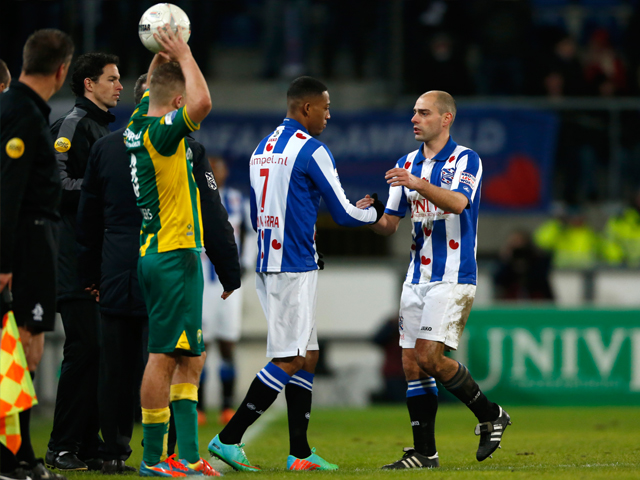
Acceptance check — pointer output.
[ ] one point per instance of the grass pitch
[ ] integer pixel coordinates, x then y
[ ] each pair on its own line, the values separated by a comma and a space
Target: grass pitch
557, 443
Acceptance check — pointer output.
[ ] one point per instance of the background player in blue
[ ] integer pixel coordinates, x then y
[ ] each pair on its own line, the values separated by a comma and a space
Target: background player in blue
222, 319
440, 183
290, 171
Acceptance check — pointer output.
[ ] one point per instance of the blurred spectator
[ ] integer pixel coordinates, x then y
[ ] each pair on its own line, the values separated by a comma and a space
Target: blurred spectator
436, 46
570, 240
605, 72
286, 28
523, 270
504, 32
624, 231
395, 385
565, 76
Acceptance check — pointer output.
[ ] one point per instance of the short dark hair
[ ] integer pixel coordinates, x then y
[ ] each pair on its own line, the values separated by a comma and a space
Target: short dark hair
45, 51
303, 87
5, 75
166, 81
89, 65
138, 91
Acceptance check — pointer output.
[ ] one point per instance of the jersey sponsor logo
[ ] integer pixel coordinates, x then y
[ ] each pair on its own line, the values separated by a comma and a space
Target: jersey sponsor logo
15, 147
422, 209
211, 181
62, 144
447, 175
168, 118
132, 139
468, 179
273, 159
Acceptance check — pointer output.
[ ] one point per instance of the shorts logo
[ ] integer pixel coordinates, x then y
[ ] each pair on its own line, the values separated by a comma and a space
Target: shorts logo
400, 323
62, 144
211, 181
199, 336
38, 311
428, 329
15, 147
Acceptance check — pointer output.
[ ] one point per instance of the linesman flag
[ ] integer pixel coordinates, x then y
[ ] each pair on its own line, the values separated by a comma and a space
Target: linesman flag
16, 388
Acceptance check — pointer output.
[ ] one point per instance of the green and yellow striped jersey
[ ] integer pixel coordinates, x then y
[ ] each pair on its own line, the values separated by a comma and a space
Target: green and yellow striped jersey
163, 180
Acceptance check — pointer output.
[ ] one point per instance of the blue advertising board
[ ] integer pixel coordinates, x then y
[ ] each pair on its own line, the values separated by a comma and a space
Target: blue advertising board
517, 148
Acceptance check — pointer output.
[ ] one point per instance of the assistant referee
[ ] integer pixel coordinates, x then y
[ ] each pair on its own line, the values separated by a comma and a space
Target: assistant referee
29, 212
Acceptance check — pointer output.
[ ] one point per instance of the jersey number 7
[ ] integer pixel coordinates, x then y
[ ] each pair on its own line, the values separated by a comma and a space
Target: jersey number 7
264, 172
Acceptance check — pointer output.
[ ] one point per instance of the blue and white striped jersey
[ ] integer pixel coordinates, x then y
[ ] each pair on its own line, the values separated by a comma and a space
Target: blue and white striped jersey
290, 170
444, 244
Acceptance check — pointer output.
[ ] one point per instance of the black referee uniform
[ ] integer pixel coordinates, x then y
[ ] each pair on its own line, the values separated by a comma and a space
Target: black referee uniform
29, 204
76, 421
108, 244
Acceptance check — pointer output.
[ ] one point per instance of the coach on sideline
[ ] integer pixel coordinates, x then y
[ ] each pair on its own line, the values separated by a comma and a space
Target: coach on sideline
29, 212
74, 442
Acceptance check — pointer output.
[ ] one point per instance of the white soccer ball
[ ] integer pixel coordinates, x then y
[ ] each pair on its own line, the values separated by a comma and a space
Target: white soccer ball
158, 16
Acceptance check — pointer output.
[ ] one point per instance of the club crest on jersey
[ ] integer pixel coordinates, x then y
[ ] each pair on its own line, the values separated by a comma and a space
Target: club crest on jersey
447, 175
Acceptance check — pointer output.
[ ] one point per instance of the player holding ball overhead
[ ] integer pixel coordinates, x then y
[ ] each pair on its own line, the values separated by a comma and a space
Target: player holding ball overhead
169, 268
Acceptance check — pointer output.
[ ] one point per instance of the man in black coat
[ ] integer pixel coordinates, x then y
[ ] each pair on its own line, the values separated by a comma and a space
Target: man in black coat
29, 214
74, 442
108, 242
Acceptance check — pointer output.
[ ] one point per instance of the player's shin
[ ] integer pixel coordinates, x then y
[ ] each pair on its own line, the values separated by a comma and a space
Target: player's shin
155, 429
298, 393
465, 389
184, 399
263, 391
422, 403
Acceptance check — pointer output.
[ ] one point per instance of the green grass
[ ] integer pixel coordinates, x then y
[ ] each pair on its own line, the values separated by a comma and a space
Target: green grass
557, 443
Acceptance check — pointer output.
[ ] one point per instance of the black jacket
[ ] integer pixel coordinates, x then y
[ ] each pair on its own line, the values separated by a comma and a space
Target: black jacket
29, 181
109, 227
74, 134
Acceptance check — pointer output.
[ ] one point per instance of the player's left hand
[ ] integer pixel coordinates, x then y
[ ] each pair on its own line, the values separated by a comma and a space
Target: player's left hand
94, 292
174, 48
399, 177
226, 295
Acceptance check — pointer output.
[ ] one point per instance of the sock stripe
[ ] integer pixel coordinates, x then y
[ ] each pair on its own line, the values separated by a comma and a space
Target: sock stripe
422, 386
302, 380
302, 384
269, 381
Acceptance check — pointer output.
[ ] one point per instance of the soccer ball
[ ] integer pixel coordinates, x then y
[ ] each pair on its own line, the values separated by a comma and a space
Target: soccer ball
158, 16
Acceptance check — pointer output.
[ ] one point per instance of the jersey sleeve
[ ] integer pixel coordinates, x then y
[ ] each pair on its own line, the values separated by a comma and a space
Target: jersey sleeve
397, 203
468, 175
322, 170
168, 131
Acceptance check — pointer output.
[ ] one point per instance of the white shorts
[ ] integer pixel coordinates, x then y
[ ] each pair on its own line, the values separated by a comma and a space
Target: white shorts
221, 319
436, 311
289, 303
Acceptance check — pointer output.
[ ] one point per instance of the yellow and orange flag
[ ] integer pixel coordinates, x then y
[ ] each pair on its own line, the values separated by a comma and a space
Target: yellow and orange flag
16, 388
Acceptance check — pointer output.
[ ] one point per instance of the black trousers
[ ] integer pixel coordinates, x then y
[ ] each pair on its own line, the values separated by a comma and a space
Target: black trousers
75, 421
123, 345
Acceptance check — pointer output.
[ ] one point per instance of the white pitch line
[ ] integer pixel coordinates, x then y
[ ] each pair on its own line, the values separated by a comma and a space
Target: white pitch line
262, 423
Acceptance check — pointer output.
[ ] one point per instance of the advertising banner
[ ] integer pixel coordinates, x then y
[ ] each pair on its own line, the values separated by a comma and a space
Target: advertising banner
553, 356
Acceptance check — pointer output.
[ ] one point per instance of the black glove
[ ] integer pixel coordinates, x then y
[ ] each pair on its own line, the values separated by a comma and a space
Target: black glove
379, 206
320, 261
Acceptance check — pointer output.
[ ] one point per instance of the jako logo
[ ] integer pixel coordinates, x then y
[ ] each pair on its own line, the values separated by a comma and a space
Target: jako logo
428, 329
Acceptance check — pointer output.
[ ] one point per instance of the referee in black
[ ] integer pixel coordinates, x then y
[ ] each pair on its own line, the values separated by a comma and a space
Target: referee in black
29, 213
75, 442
